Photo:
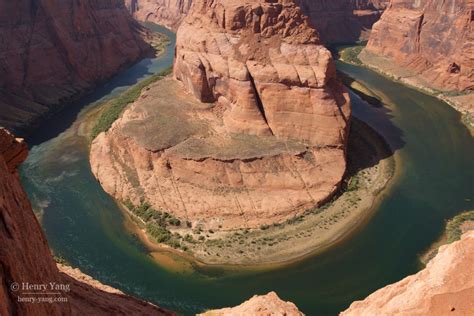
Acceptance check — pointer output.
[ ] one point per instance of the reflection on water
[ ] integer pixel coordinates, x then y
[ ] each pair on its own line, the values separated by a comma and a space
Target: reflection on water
85, 226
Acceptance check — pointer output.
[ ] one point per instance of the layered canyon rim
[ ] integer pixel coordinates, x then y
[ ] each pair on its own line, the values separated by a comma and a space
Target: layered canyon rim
259, 137
338, 21
428, 44
54, 51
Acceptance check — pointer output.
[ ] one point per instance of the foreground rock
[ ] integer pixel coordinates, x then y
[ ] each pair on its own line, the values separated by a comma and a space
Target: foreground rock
169, 13
26, 258
54, 51
428, 44
268, 143
444, 287
263, 305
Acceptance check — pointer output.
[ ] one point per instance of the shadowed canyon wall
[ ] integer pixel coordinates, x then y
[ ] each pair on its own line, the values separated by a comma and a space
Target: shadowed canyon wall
337, 21
430, 40
53, 51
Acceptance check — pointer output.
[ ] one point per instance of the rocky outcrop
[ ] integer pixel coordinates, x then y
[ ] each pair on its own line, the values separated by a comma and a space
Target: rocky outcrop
54, 51
259, 305
269, 143
343, 21
169, 13
26, 258
444, 287
430, 43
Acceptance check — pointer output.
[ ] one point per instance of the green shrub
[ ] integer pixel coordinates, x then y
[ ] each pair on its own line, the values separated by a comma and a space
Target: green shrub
159, 233
174, 221
453, 228
188, 238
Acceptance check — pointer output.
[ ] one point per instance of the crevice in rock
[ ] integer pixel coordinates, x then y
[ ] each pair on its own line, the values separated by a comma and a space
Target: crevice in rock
259, 101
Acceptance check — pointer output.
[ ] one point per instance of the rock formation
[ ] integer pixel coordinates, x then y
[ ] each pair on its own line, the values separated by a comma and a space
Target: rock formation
53, 51
26, 258
259, 305
168, 13
444, 287
270, 143
337, 21
430, 43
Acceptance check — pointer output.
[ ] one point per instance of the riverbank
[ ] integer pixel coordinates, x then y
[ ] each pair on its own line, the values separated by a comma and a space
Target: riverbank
370, 169
461, 102
455, 227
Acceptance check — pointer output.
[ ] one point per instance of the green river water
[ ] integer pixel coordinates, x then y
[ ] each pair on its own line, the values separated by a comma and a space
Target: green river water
434, 154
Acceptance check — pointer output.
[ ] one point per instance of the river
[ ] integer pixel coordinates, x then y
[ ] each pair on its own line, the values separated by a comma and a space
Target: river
434, 154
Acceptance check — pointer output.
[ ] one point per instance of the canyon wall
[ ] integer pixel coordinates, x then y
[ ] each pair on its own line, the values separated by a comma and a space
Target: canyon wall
53, 51
430, 43
343, 20
337, 21
260, 136
444, 287
168, 13
25, 256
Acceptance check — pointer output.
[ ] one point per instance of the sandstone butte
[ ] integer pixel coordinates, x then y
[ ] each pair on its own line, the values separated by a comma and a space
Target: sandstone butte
260, 135
429, 44
54, 51
337, 20
25, 255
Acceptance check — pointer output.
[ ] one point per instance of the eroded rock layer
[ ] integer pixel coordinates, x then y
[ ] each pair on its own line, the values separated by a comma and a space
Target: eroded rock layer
169, 13
444, 287
268, 144
52, 51
26, 258
430, 42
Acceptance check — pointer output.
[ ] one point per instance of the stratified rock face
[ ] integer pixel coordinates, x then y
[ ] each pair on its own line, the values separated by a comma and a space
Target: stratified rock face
444, 287
265, 64
343, 20
259, 305
169, 13
432, 40
269, 145
26, 258
51, 51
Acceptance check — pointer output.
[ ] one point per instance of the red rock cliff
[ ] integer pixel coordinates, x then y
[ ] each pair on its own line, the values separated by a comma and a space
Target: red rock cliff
169, 13
429, 41
25, 256
51, 51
